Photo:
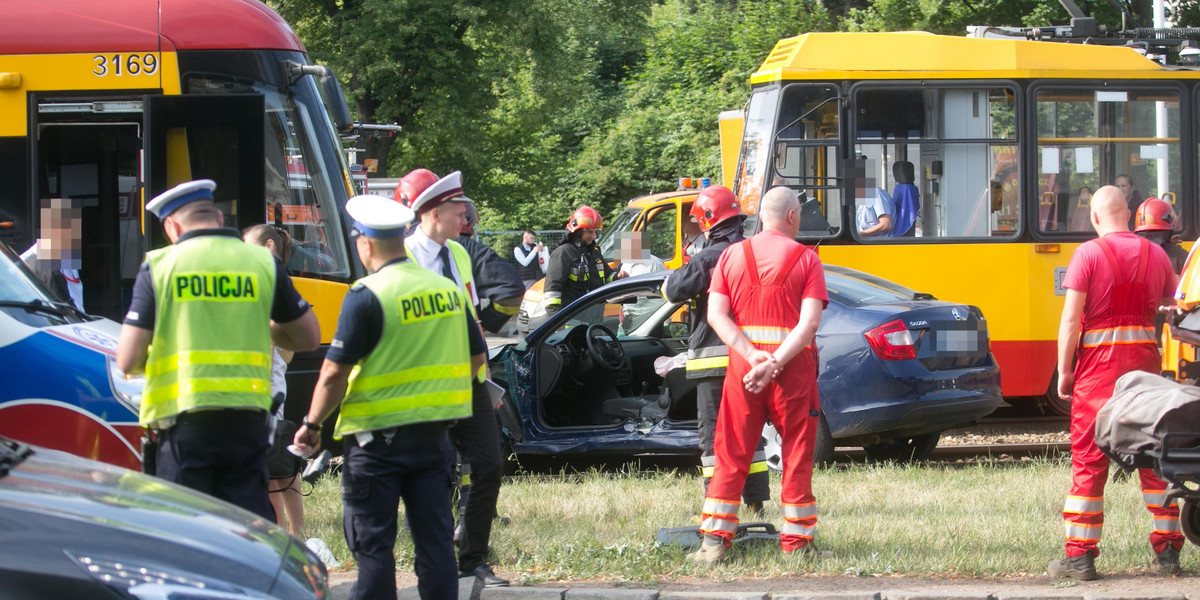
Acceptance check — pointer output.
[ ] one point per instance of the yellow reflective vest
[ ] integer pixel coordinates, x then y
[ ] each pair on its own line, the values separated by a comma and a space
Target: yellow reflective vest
420, 371
211, 346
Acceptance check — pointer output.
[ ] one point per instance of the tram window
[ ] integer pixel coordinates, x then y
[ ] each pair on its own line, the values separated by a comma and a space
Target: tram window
298, 196
1087, 138
805, 155
944, 160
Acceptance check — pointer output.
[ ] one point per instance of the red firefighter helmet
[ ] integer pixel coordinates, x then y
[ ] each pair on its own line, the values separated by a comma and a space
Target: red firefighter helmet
715, 204
412, 185
584, 217
1154, 215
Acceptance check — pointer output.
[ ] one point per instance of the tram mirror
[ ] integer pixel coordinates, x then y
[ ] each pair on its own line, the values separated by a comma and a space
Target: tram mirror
780, 156
997, 189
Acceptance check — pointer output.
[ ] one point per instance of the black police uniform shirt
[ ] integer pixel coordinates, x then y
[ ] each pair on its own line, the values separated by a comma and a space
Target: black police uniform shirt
287, 305
360, 326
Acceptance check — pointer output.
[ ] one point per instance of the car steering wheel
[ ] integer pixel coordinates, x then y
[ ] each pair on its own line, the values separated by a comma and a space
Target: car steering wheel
607, 353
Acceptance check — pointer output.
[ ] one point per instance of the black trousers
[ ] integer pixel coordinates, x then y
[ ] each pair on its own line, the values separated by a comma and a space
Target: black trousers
414, 465
222, 453
708, 403
478, 441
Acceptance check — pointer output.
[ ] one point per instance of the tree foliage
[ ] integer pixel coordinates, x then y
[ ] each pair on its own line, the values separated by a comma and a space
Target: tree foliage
548, 104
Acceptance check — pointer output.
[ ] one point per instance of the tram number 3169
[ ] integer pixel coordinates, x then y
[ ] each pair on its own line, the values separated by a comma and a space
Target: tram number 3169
119, 65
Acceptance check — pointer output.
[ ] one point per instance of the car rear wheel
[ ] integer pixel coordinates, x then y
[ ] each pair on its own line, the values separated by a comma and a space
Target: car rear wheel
773, 445
1189, 521
1052, 403
909, 449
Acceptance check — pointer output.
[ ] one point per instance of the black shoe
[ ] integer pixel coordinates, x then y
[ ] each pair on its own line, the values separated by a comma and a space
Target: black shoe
1082, 567
485, 574
1167, 562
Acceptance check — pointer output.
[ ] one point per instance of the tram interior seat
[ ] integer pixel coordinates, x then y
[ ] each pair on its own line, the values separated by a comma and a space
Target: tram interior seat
907, 199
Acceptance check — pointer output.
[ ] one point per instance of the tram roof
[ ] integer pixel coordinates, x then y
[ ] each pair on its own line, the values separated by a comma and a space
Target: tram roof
86, 26
920, 55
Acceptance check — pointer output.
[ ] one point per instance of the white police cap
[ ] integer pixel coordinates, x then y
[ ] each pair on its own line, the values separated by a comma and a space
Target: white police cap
173, 199
378, 217
446, 189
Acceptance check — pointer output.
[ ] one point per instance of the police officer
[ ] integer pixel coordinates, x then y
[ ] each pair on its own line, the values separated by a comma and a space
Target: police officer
720, 218
441, 208
400, 364
576, 265
201, 322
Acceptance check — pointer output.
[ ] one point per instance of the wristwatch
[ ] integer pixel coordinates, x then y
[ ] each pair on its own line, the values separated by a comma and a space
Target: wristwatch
313, 427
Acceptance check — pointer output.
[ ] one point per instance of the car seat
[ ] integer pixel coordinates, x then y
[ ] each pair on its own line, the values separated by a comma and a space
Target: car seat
906, 197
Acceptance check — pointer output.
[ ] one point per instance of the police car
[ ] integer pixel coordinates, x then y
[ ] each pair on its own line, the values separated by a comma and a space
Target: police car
62, 389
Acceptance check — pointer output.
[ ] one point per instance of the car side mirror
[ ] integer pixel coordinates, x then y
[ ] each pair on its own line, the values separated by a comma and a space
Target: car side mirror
675, 329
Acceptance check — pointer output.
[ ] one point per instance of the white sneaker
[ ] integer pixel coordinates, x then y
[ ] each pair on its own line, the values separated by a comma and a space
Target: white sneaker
322, 551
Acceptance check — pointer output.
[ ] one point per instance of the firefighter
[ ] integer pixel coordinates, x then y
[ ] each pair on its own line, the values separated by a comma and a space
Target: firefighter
497, 281
719, 217
204, 313
765, 303
1155, 221
441, 209
1114, 284
576, 265
400, 365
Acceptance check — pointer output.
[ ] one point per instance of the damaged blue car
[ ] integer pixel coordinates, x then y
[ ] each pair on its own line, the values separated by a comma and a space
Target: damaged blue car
603, 376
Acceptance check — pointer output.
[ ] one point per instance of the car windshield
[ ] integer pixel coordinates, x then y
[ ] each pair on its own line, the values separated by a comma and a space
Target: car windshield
855, 288
608, 237
24, 298
623, 313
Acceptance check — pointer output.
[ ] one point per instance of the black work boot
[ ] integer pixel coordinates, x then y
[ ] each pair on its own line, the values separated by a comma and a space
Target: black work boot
1167, 562
1082, 567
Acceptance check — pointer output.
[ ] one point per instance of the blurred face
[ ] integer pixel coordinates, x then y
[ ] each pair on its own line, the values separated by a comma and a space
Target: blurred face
587, 236
631, 246
528, 239
61, 236
1126, 187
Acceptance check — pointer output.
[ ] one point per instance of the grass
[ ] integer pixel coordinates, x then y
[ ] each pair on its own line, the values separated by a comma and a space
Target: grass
980, 521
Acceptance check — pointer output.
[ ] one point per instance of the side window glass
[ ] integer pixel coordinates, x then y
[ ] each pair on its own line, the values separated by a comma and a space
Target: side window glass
1089, 138
659, 233
935, 163
806, 156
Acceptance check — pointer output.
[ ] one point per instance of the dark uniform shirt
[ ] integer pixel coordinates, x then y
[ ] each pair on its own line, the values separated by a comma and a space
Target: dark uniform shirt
286, 307
497, 284
691, 281
585, 263
360, 326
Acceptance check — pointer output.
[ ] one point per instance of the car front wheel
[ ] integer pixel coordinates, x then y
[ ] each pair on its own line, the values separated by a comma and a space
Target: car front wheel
905, 449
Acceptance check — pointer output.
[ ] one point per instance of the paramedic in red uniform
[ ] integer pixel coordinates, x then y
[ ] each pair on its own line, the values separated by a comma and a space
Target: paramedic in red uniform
1114, 285
765, 303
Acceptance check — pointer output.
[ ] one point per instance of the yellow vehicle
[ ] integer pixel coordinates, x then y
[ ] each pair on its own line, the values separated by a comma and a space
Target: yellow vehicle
668, 233
121, 100
987, 150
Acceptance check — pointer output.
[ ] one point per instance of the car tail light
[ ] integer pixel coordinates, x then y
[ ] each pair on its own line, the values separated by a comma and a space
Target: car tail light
892, 341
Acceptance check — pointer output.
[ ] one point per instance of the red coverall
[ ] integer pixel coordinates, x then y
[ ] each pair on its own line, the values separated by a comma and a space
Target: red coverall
1124, 277
766, 307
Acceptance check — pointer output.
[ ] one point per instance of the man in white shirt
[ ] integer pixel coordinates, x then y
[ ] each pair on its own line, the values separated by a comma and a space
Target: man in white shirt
56, 255
529, 258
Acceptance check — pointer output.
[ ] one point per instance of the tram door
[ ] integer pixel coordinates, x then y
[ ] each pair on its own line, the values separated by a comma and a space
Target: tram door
103, 159
87, 161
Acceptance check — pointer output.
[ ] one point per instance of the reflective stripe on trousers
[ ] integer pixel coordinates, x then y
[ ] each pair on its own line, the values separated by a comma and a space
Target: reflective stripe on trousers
757, 465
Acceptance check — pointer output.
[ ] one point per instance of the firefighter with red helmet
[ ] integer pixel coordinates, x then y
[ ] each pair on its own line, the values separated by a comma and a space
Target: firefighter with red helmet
576, 265
717, 213
1155, 220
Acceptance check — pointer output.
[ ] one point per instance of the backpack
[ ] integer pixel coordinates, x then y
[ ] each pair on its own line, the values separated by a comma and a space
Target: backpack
1145, 407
